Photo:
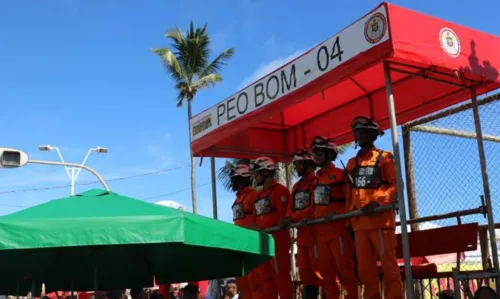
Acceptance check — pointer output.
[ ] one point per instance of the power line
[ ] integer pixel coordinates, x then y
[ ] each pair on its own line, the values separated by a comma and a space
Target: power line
145, 199
96, 182
173, 193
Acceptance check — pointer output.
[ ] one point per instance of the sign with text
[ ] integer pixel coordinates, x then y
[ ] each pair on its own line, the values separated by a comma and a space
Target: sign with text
359, 37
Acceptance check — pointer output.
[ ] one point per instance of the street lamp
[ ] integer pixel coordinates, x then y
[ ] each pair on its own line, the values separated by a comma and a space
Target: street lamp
14, 158
73, 172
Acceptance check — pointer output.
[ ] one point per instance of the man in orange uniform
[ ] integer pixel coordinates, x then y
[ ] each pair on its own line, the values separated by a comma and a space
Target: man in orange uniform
271, 205
335, 246
373, 184
243, 213
301, 210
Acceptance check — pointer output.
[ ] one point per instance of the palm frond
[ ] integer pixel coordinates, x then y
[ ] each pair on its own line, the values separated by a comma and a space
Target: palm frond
343, 148
178, 42
209, 80
177, 39
182, 93
198, 51
170, 63
216, 65
223, 173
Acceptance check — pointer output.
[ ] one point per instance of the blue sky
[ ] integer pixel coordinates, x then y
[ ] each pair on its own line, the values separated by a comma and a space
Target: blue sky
78, 74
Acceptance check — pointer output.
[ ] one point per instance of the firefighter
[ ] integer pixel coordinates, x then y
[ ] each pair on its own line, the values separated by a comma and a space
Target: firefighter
270, 206
335, 254
300, 210
243, 213
374, 184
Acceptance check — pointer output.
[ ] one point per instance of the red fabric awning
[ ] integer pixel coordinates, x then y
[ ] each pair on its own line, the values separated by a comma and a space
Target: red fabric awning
320, 92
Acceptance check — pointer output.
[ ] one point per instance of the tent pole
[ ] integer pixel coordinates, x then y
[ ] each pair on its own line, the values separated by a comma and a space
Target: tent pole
214, 205
486, 185
399, 181
96, 280
214, 183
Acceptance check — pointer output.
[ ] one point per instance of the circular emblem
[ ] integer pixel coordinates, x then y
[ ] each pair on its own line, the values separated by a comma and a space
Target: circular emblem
375, 28
449, 42
284, 199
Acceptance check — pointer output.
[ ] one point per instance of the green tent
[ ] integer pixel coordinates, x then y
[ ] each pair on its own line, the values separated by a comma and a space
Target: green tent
123, 242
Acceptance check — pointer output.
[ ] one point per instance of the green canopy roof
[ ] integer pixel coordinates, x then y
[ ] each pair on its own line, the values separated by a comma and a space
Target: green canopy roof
125, 241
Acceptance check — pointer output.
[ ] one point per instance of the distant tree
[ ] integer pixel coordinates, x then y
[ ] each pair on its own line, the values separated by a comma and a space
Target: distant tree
187, 61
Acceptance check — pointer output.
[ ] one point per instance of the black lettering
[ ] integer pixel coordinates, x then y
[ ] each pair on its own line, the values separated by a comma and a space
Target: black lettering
336, 50
242, 100
284, 81
274, 78
259, 93
323, 51
220, 113
230, 107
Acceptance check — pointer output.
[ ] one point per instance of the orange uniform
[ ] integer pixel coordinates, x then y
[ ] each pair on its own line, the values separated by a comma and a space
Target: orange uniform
301, 208
243, 216
374, 180
271, 205
335, 247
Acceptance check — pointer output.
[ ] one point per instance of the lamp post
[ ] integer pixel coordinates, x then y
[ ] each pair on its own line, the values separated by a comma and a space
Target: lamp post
14, 158
73, 172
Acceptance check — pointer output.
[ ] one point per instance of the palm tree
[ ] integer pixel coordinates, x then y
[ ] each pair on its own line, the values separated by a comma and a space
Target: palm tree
280, 175
187, 62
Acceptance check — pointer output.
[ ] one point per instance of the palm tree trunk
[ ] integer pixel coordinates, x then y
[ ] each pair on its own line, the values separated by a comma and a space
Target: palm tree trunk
193, 163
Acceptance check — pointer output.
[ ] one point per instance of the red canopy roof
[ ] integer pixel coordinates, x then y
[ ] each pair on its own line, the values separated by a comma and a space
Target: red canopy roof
320, 92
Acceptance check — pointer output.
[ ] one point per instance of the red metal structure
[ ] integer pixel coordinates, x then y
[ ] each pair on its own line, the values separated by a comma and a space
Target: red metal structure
393, 64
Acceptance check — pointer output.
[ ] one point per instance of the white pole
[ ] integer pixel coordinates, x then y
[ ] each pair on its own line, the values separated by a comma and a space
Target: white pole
73, 179
84, 161
399, 181
62, 160
73, 172
97, 175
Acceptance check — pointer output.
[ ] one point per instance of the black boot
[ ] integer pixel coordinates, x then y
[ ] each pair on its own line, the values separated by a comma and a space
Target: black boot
310, 292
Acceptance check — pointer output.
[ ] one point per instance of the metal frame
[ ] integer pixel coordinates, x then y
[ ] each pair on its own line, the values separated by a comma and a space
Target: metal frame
419, 126
486, 185
399, 182
80, 166
431, 73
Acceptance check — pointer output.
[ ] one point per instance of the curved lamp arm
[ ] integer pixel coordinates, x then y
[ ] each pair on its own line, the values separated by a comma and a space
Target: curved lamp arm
64, 164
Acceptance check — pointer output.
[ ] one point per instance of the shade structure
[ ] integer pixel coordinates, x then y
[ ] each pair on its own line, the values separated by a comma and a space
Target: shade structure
433, 63
123, 242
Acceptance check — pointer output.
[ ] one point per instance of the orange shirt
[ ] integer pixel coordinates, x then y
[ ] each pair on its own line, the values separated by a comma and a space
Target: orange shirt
329, 196
271, 205
374, 176
302, 207
243, 207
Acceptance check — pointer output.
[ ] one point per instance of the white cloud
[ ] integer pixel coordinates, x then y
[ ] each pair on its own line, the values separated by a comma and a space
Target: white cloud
267, 68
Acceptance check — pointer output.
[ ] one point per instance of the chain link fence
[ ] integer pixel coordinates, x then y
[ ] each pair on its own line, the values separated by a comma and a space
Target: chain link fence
443, 173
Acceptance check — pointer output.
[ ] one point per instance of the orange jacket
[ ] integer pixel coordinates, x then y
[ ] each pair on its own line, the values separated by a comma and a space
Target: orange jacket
374, 178
271, 205
329, 196
302, 207
243, 214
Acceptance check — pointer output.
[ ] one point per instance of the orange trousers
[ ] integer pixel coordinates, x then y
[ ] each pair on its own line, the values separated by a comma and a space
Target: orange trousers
369, 244
308, 270
336, 259
283, 263
262, 282
244, 287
